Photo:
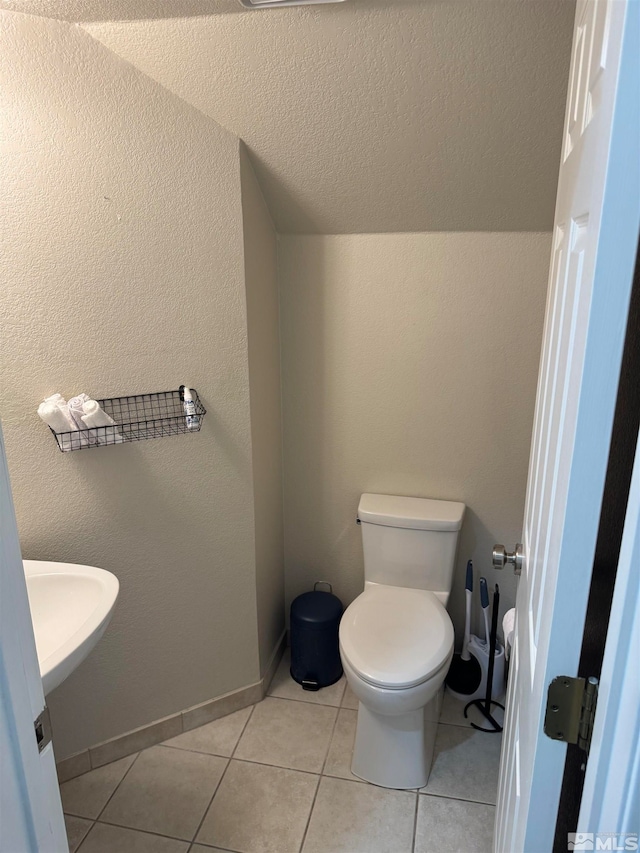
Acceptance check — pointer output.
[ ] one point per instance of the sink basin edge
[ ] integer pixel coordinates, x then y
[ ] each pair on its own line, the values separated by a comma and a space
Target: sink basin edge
71, 607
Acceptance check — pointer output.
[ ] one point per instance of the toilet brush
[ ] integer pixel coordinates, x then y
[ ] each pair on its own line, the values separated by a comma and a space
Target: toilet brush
465, 672
485, 706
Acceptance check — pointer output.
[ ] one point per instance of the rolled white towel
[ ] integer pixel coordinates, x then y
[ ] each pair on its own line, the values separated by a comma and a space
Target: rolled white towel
508, 627
76, 411
55, 417
56, 398
59, 400
95, 416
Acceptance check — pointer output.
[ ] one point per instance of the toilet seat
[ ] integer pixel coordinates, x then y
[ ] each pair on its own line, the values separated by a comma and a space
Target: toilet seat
395, 637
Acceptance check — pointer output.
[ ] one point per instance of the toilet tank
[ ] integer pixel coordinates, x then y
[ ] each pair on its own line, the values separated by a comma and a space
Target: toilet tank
410, 542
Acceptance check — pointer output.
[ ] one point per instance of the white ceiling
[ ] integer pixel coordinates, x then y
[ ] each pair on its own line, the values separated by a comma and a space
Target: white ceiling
370, 116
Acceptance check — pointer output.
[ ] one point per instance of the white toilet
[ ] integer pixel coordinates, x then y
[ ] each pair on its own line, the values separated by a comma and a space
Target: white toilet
396, 638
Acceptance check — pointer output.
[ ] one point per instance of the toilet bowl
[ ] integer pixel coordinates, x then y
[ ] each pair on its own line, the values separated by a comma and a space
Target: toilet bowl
396, 645
396, 637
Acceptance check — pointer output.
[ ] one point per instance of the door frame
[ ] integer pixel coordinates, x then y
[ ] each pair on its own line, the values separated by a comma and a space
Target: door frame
611, 796
615, 506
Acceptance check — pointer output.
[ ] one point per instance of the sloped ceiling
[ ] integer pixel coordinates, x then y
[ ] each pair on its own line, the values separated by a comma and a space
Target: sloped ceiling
371, 116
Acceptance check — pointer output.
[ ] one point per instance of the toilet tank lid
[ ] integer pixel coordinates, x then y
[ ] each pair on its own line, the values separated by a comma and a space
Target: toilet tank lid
413, 513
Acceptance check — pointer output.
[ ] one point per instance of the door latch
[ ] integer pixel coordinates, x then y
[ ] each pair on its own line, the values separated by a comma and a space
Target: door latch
42, 726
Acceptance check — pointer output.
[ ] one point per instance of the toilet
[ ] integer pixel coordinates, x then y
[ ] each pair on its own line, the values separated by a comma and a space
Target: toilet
396, 638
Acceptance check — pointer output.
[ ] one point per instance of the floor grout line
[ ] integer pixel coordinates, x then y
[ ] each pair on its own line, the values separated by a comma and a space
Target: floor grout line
333, 729
82, 816
353, 778
304, 701
137, 829
465, 726
277, 766
224, 773
92, 824
126, 773
324, 764
211, 847
415, 824
192, 751
206, 811
313, 803
344, 696
453, 797
244, 728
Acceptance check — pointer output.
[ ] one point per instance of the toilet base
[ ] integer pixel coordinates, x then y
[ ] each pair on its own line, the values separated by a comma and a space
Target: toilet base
396, 751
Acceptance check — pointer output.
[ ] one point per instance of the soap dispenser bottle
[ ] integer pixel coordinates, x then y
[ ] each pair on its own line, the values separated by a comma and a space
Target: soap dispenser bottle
191, 416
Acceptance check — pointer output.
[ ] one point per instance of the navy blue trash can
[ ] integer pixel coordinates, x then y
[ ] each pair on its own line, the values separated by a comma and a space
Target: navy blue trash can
315, 655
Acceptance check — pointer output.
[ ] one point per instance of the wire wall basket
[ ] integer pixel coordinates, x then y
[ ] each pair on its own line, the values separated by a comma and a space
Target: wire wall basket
137, 418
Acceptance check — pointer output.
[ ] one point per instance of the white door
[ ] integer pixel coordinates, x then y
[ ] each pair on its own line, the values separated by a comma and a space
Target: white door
31, 818
593, 253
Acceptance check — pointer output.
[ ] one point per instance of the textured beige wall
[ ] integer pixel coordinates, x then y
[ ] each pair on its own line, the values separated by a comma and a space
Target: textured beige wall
261, 280
120, 10
123, 246
409, 367
370, 116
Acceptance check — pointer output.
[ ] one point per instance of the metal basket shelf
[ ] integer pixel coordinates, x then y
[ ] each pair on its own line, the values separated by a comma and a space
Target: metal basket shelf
137, 418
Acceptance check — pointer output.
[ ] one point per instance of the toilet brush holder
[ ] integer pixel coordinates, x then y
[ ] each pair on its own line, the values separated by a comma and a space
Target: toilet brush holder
480, 652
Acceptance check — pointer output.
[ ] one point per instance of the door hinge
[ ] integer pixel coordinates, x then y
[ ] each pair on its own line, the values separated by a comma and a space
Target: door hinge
571, 708
42, 726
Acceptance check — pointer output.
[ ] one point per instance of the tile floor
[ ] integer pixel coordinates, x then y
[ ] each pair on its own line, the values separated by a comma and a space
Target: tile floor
275, 778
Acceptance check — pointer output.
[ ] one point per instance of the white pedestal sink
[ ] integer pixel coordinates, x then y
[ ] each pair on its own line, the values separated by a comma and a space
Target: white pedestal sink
71, 607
